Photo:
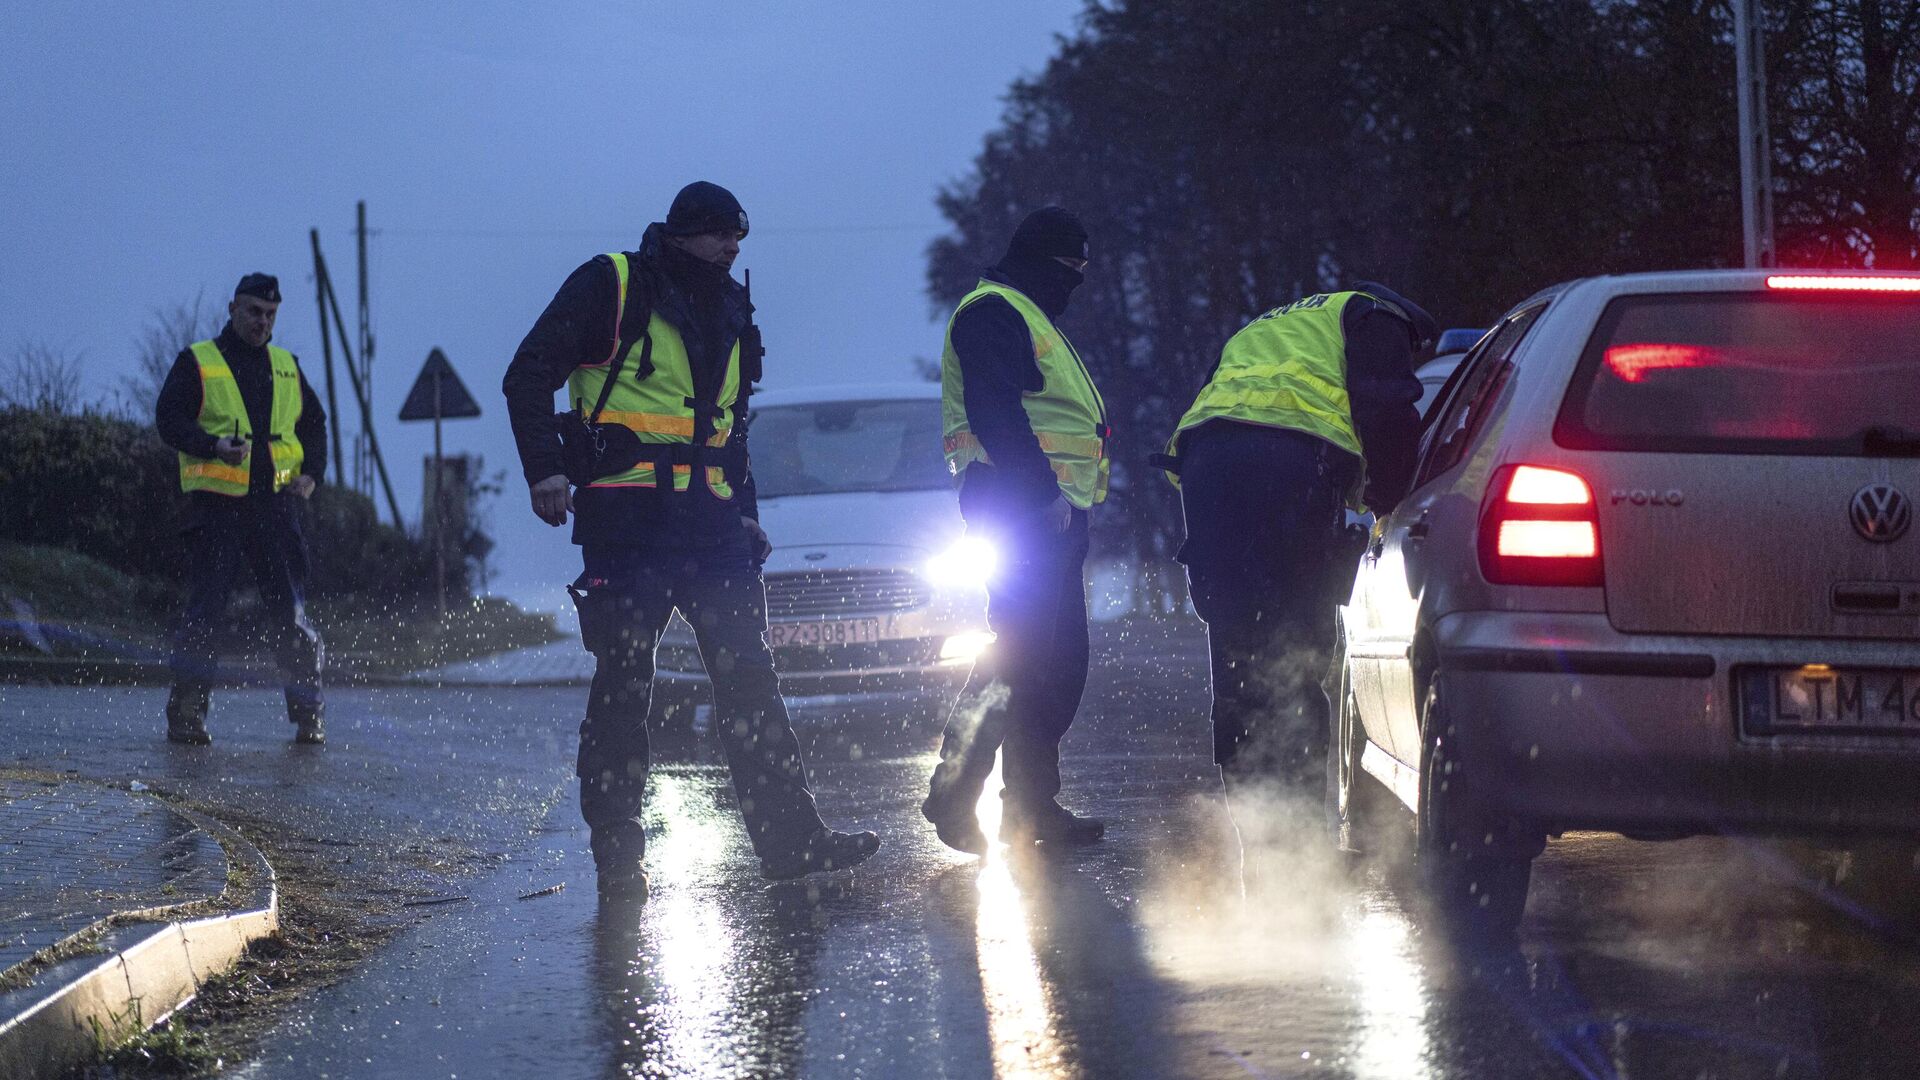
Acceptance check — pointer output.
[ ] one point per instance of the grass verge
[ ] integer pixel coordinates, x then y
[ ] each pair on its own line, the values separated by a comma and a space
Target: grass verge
55, 603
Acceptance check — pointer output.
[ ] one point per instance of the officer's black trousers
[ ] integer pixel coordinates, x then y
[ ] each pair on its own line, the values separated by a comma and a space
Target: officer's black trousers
1023, 692
626, 596
263, 534
1265, 527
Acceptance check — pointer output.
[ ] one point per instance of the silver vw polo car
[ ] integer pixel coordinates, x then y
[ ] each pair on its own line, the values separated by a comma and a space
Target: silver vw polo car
1657, 575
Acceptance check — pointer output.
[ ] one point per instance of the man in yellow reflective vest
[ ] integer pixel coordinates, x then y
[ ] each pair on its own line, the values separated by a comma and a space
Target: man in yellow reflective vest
1026, 434
1310, 410
658, 353
251, 440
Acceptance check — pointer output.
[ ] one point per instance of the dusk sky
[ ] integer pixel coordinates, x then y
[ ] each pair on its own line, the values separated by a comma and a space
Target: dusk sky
156, 152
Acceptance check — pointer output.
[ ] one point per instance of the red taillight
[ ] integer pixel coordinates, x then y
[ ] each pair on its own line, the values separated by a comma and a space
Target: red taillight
1843, 283
1540, 527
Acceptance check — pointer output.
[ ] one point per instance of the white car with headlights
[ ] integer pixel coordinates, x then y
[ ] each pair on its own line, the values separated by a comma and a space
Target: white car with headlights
1656, 576
873, 584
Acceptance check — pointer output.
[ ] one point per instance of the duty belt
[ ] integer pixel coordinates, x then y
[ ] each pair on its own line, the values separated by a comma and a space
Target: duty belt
732, 460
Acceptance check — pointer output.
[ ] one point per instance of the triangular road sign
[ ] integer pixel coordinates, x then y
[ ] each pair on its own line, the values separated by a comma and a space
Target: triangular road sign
455, 402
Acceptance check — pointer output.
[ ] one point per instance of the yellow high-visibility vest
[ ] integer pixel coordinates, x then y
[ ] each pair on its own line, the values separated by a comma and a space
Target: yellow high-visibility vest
655, 407
1067, 413
1285, 369
223, 414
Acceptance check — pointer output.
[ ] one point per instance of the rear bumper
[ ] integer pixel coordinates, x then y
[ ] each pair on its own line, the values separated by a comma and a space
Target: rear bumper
1580, 726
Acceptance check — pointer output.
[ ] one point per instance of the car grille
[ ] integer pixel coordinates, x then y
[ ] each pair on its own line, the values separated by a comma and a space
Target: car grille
834, 594
822, 659
859, 656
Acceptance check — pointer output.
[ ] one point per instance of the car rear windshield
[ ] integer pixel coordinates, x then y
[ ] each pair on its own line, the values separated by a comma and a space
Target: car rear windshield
843, 446
1750, 373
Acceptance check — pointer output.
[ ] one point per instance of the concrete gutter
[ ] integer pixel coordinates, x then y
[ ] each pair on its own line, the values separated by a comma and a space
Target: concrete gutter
142, 972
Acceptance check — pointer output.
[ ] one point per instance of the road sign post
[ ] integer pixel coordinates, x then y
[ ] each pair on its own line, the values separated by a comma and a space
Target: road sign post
438, 394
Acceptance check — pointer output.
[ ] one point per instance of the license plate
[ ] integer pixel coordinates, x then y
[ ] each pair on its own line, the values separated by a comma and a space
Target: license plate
1816, 697
825, 632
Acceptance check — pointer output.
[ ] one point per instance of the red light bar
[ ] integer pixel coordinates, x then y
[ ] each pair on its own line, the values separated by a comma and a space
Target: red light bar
1843, 283
1632, 362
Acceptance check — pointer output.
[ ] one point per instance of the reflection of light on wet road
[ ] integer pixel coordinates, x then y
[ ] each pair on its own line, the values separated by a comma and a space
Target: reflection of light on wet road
693, 947
1020, 1016
1390, 1036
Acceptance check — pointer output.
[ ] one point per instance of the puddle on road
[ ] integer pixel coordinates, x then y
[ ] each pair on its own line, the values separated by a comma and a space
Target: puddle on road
1021, 1020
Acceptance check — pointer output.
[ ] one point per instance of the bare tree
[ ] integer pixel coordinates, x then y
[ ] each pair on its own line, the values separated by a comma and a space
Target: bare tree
167, 331
1844, 81
40, 377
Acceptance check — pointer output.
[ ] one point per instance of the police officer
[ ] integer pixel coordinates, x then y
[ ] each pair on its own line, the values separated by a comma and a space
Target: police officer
1310, 409
1026, 433
658, 353
252, 445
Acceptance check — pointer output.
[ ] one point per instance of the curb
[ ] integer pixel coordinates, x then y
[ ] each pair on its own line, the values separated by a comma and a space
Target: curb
146, 972
118, 671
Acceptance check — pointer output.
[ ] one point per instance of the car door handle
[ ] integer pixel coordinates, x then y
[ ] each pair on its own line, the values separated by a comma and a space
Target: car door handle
1418, 530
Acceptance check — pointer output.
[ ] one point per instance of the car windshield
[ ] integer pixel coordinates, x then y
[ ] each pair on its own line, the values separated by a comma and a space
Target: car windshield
1746, 372
842, 446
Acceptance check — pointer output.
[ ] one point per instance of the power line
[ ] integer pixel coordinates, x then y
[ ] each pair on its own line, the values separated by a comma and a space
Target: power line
799, 230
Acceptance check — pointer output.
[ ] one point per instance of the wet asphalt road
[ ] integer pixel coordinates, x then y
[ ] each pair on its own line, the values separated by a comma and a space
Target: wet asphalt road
1138, 957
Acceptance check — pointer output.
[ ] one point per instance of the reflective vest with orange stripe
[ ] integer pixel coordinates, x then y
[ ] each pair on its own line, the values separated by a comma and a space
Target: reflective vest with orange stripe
1285, 369
654, 404
1067, 414
223, 414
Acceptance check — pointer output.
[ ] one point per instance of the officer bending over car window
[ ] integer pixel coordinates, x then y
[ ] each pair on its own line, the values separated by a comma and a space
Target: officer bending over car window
1309, 410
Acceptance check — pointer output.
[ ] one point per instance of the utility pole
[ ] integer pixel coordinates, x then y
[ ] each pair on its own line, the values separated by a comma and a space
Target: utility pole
360, 394
326, 350
1756, 165
366, 329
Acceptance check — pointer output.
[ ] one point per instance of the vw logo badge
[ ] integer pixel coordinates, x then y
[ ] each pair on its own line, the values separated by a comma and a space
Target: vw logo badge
1880, 513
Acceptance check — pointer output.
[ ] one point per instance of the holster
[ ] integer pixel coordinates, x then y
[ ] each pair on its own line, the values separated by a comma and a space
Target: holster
598, 602
577, 453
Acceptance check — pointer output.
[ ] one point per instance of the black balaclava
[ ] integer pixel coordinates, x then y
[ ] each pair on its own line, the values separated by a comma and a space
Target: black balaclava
701, 207
1030, 263
702, 280
1423, 329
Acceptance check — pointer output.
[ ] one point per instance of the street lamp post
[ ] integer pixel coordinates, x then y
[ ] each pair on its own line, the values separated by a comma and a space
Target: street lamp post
1756, 168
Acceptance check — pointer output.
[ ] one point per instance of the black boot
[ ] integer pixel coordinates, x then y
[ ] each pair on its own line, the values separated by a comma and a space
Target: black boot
304, 711
187, 714
958, 829
619, 858
823, 852
1048, 823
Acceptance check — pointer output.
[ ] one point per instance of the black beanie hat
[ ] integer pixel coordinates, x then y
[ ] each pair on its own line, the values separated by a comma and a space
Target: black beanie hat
702, 207
1048, 231
263, 286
